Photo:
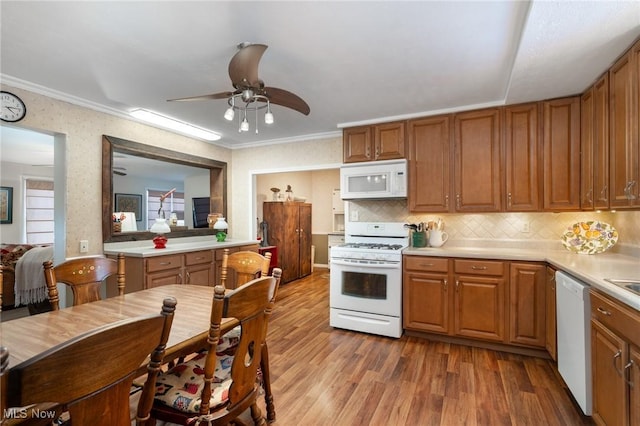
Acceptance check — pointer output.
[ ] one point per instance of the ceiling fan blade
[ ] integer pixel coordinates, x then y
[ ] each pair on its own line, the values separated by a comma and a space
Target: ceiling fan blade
221, 95
286, 99
243, 68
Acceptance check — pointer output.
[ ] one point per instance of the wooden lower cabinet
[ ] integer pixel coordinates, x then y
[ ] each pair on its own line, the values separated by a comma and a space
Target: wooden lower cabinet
615, 361
478, 300
551, 342
426, 304
487, 300
527, 303
199, 267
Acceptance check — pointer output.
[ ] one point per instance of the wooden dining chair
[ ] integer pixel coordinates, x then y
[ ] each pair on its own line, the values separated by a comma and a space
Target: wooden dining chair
247, 265
84, 276
216, 386
90, 376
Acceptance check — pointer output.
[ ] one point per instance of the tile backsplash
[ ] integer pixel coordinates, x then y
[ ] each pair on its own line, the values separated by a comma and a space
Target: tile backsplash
503, 226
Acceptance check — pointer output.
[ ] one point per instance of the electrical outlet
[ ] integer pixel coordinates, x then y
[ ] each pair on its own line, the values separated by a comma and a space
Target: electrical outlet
84, 246
525, 227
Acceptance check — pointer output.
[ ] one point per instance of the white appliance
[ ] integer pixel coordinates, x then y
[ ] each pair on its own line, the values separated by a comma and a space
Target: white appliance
574, 338
374, 180
365, 285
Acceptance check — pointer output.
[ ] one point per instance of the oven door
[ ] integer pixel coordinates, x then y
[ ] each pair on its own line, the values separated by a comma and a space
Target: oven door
372, 287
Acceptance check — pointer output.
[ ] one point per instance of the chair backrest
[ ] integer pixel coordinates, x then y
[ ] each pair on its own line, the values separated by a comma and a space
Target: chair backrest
248, 304
84, 276
247, 265
91, 375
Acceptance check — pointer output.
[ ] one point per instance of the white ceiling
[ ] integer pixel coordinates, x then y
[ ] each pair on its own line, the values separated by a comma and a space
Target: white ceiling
352, 61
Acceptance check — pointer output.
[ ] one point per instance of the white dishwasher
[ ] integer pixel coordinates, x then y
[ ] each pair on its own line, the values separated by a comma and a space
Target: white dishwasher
573, 312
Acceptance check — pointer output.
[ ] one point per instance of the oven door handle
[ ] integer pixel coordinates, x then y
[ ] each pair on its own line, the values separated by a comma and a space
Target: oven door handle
367, 265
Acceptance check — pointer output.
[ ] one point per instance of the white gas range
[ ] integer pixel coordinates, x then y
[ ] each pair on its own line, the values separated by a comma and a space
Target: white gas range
366, 278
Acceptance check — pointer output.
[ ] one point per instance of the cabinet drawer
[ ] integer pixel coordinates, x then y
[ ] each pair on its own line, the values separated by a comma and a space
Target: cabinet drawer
478, 267
616, 316
198, 257
426, 263
164, 262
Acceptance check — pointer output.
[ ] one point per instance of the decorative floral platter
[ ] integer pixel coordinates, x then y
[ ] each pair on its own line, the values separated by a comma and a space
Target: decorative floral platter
589, 237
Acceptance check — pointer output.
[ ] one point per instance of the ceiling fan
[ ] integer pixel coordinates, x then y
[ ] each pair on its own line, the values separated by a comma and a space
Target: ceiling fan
250, 93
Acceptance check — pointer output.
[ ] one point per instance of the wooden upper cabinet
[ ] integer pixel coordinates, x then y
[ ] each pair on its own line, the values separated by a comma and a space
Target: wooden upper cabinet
586, 150
389, 141
561, 153
601, 143
477, 164
623, 136
379, 142
522, 158
429, 159
356, 143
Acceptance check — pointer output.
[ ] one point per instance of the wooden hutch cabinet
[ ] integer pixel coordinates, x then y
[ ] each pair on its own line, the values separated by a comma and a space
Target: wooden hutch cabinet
289, 229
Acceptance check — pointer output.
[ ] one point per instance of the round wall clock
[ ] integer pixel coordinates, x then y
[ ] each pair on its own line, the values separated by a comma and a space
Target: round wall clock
13, 109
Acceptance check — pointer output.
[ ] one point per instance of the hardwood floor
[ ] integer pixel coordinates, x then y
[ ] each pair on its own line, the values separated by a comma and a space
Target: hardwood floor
327, 376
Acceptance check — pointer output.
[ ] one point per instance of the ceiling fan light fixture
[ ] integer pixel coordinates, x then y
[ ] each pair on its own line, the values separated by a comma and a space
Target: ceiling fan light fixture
268, 116
244, 126
229, 114
175, 125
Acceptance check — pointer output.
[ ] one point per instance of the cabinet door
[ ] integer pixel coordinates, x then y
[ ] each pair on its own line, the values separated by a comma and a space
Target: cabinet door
608, 357
357, 144
477, 163
623, 148
601, 143
304, 239
522, 158
634, 378
429, 159
389, 141
479, 307
527, 304
551, 339
169, 276
426, 302
561, 151
587, 150
200, 275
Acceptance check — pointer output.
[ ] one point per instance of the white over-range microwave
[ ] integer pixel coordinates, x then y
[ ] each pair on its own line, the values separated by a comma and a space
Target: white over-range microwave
374, 180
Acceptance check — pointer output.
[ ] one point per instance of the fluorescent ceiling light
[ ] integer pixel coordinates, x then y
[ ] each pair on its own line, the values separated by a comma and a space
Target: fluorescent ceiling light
178, 126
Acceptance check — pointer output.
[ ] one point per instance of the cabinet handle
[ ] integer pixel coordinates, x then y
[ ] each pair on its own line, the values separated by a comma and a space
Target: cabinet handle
180, 277
457, 284
368, 152
479, 268
615, 367
589, 196
199, 258
444, 282
188, 277
458, 201
165, 263
509, 200
603, 193
377, 152
628, 188
446, 202
604, 311
627, 367
426, 264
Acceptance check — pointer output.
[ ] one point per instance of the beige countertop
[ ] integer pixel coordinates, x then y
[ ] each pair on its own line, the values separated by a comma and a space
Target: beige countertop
590, 269
174, 246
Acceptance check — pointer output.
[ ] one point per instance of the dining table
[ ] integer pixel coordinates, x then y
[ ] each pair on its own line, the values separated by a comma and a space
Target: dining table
29, 336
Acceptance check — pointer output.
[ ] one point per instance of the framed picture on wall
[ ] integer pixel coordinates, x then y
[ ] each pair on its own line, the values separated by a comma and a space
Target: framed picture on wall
129, 203
6, 204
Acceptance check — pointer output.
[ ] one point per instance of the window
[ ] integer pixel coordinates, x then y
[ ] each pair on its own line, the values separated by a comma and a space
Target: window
174, 203
39, 211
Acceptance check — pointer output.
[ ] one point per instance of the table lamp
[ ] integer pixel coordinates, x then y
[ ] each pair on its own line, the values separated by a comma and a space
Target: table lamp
160, 227
221, 227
